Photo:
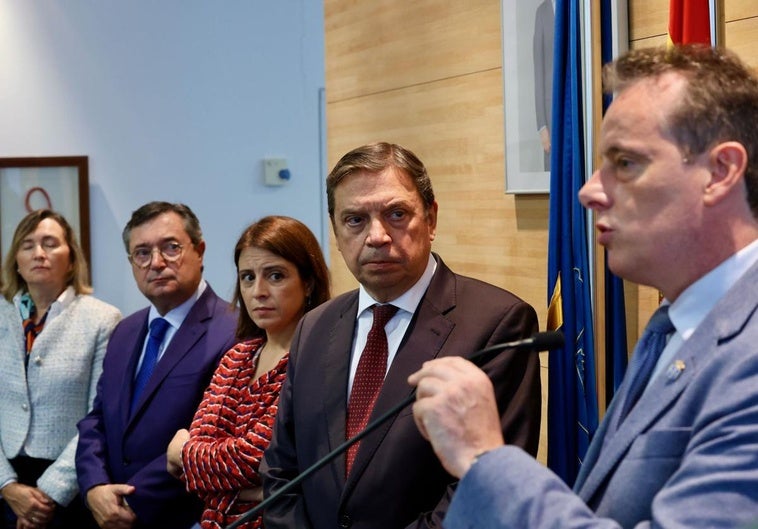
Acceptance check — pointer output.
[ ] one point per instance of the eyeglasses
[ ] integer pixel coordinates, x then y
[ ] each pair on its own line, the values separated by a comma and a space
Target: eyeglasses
170, 251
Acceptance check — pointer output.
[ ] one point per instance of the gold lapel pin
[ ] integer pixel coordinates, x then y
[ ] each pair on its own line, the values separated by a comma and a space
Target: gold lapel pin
675, 369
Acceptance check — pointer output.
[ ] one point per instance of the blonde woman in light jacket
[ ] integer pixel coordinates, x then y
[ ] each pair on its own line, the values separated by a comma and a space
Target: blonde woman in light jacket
53, 337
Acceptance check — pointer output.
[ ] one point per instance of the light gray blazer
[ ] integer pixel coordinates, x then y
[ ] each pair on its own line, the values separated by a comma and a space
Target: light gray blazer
686, 456
39, 408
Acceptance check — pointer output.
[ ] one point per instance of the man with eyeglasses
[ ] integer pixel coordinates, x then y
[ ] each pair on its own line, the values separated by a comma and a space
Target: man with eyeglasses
158, 363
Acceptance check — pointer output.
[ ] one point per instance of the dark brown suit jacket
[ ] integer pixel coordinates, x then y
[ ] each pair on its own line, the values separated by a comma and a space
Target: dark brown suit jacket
396, 481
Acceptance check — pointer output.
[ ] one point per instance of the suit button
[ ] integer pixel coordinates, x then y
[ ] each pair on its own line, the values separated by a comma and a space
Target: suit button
38, 360
25, 406
345, 521
126, 461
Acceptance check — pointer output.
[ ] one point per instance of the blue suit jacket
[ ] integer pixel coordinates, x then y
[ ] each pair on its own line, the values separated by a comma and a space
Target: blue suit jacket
686, 456
116, 447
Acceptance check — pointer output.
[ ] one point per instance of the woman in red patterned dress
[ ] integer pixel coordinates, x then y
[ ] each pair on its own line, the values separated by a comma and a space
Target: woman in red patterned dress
281, 273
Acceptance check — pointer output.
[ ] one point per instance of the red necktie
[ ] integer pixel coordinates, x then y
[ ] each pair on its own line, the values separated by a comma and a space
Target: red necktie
369, 378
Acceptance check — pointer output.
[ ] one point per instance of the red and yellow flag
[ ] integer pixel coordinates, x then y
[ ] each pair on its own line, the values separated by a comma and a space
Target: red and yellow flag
689, 22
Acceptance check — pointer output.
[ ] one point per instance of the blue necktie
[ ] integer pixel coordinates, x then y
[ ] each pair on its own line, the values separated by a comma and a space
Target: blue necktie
158, 328
646, 355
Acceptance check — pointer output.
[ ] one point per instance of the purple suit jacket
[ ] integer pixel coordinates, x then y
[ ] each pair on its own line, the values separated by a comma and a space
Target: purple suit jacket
396, 480
115, 447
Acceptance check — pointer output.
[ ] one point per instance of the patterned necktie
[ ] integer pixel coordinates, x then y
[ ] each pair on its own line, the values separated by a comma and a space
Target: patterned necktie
158, 328
369, 378
646, 355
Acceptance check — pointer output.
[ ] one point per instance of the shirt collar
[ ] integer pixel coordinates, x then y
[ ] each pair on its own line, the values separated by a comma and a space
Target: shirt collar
176, 315
56, 307
60, 304
697, 300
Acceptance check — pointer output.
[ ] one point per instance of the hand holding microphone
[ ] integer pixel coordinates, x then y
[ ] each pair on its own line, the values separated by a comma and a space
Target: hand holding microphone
455, 408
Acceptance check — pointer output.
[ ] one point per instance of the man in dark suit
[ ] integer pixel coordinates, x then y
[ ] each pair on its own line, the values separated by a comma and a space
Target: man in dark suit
121, 455
384, 217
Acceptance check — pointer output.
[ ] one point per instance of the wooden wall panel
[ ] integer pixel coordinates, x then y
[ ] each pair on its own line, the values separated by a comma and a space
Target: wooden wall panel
655, 40
738, 9
381, 45
648, 18
741, 37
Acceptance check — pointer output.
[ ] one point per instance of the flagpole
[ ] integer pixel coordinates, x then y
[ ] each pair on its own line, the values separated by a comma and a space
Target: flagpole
591, 47
716, 11
713, 22
611, 40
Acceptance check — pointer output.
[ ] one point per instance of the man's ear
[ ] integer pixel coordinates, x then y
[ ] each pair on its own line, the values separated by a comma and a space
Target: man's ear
200, 247
728, 162
431, 218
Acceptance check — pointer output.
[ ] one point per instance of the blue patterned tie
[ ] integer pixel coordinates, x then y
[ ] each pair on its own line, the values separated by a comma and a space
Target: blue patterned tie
158, 328
646, 355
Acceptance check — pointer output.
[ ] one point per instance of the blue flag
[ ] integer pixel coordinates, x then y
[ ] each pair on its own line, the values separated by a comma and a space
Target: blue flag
572, 398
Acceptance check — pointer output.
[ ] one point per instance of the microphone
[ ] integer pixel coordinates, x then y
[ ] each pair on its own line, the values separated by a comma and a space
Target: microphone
542, 341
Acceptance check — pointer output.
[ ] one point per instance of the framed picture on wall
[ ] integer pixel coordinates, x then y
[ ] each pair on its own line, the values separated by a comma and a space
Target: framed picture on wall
60, 183
528, 28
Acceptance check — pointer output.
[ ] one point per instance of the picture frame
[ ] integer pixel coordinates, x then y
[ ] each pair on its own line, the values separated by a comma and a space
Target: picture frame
528, 27
60, 183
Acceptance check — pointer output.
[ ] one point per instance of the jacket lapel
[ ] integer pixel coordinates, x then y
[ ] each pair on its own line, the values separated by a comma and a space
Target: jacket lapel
613, 440
16, 334
127, 364
12, 367
336, 369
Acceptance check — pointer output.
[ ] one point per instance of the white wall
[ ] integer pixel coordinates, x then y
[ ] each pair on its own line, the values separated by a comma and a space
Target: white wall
176, 100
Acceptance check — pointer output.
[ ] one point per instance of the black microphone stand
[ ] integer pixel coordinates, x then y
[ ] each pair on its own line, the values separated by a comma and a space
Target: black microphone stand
553, 340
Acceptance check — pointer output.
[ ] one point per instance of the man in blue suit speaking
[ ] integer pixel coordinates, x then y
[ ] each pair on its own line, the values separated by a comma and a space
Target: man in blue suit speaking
153, 380
675, 201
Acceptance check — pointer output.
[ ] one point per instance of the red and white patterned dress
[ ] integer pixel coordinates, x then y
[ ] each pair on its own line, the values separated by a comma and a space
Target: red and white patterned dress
231, 429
